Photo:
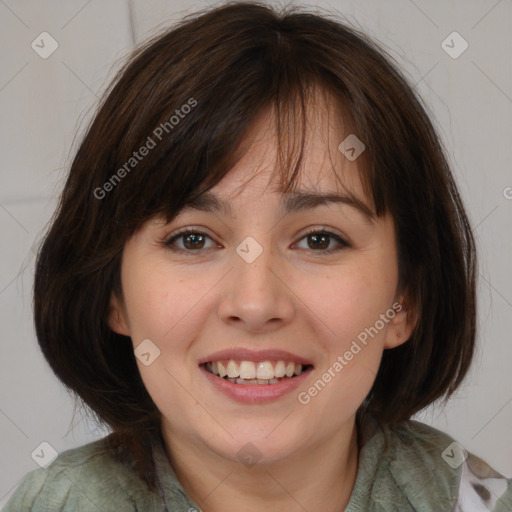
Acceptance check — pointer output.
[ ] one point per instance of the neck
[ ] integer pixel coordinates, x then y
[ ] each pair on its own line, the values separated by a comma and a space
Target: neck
319, 477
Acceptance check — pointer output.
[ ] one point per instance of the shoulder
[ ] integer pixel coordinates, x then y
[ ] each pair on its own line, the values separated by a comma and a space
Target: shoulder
429, 466
84, 478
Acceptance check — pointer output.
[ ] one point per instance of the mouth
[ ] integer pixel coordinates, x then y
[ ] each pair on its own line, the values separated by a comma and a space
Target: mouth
247, 373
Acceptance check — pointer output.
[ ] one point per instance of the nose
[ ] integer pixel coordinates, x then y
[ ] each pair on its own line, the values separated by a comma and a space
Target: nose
255, 296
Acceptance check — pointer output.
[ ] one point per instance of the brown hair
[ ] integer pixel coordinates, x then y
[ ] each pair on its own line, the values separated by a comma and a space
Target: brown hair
228, 64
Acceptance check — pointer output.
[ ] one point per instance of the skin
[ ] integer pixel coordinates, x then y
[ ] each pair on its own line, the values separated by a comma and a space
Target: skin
293, 297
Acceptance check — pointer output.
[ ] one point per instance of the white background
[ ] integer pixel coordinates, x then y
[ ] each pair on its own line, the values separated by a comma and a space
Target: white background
45, 103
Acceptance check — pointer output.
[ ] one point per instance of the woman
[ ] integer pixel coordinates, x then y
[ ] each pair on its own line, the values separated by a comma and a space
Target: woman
259, 270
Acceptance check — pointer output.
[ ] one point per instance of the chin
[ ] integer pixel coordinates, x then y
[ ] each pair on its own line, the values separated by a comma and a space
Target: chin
258, 443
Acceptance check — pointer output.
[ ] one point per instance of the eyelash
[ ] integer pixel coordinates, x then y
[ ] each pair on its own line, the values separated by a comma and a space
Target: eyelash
190, 252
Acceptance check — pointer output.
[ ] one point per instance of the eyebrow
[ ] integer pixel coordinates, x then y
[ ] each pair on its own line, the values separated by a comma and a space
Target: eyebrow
292, 202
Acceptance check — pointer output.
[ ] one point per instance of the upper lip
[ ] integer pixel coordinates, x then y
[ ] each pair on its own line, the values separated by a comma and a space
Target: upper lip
246, 354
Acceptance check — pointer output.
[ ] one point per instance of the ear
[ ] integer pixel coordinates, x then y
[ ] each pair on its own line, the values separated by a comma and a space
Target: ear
117, 318
402, 324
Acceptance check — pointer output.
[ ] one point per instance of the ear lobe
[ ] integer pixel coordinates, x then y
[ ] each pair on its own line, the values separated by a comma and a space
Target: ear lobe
117, 319
400, 326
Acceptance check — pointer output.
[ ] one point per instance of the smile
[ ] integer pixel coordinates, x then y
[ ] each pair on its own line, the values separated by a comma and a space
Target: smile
251, 372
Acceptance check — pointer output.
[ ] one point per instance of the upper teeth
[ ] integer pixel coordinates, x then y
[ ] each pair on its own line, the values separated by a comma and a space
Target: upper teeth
264, 370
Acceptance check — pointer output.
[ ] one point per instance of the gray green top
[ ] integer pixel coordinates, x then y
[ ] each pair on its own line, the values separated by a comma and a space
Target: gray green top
408, 467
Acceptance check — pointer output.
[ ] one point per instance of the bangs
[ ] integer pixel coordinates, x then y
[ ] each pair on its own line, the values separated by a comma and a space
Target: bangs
193, 135
291, 116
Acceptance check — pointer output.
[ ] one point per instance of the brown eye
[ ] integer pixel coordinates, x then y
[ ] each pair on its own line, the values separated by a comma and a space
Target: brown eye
319, 241
193, 241
190, 239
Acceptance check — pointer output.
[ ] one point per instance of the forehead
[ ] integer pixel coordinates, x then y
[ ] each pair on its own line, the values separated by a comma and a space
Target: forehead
324, 169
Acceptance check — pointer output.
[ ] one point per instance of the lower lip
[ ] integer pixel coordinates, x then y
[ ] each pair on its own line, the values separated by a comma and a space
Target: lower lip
256, 393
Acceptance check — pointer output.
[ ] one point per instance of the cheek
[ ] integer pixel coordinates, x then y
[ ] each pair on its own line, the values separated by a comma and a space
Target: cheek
347, 301
156, 300
148, 304
166, 309
349, 304
347, 309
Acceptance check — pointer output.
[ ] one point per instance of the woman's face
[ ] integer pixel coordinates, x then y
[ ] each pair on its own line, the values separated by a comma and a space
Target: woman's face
252, 294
